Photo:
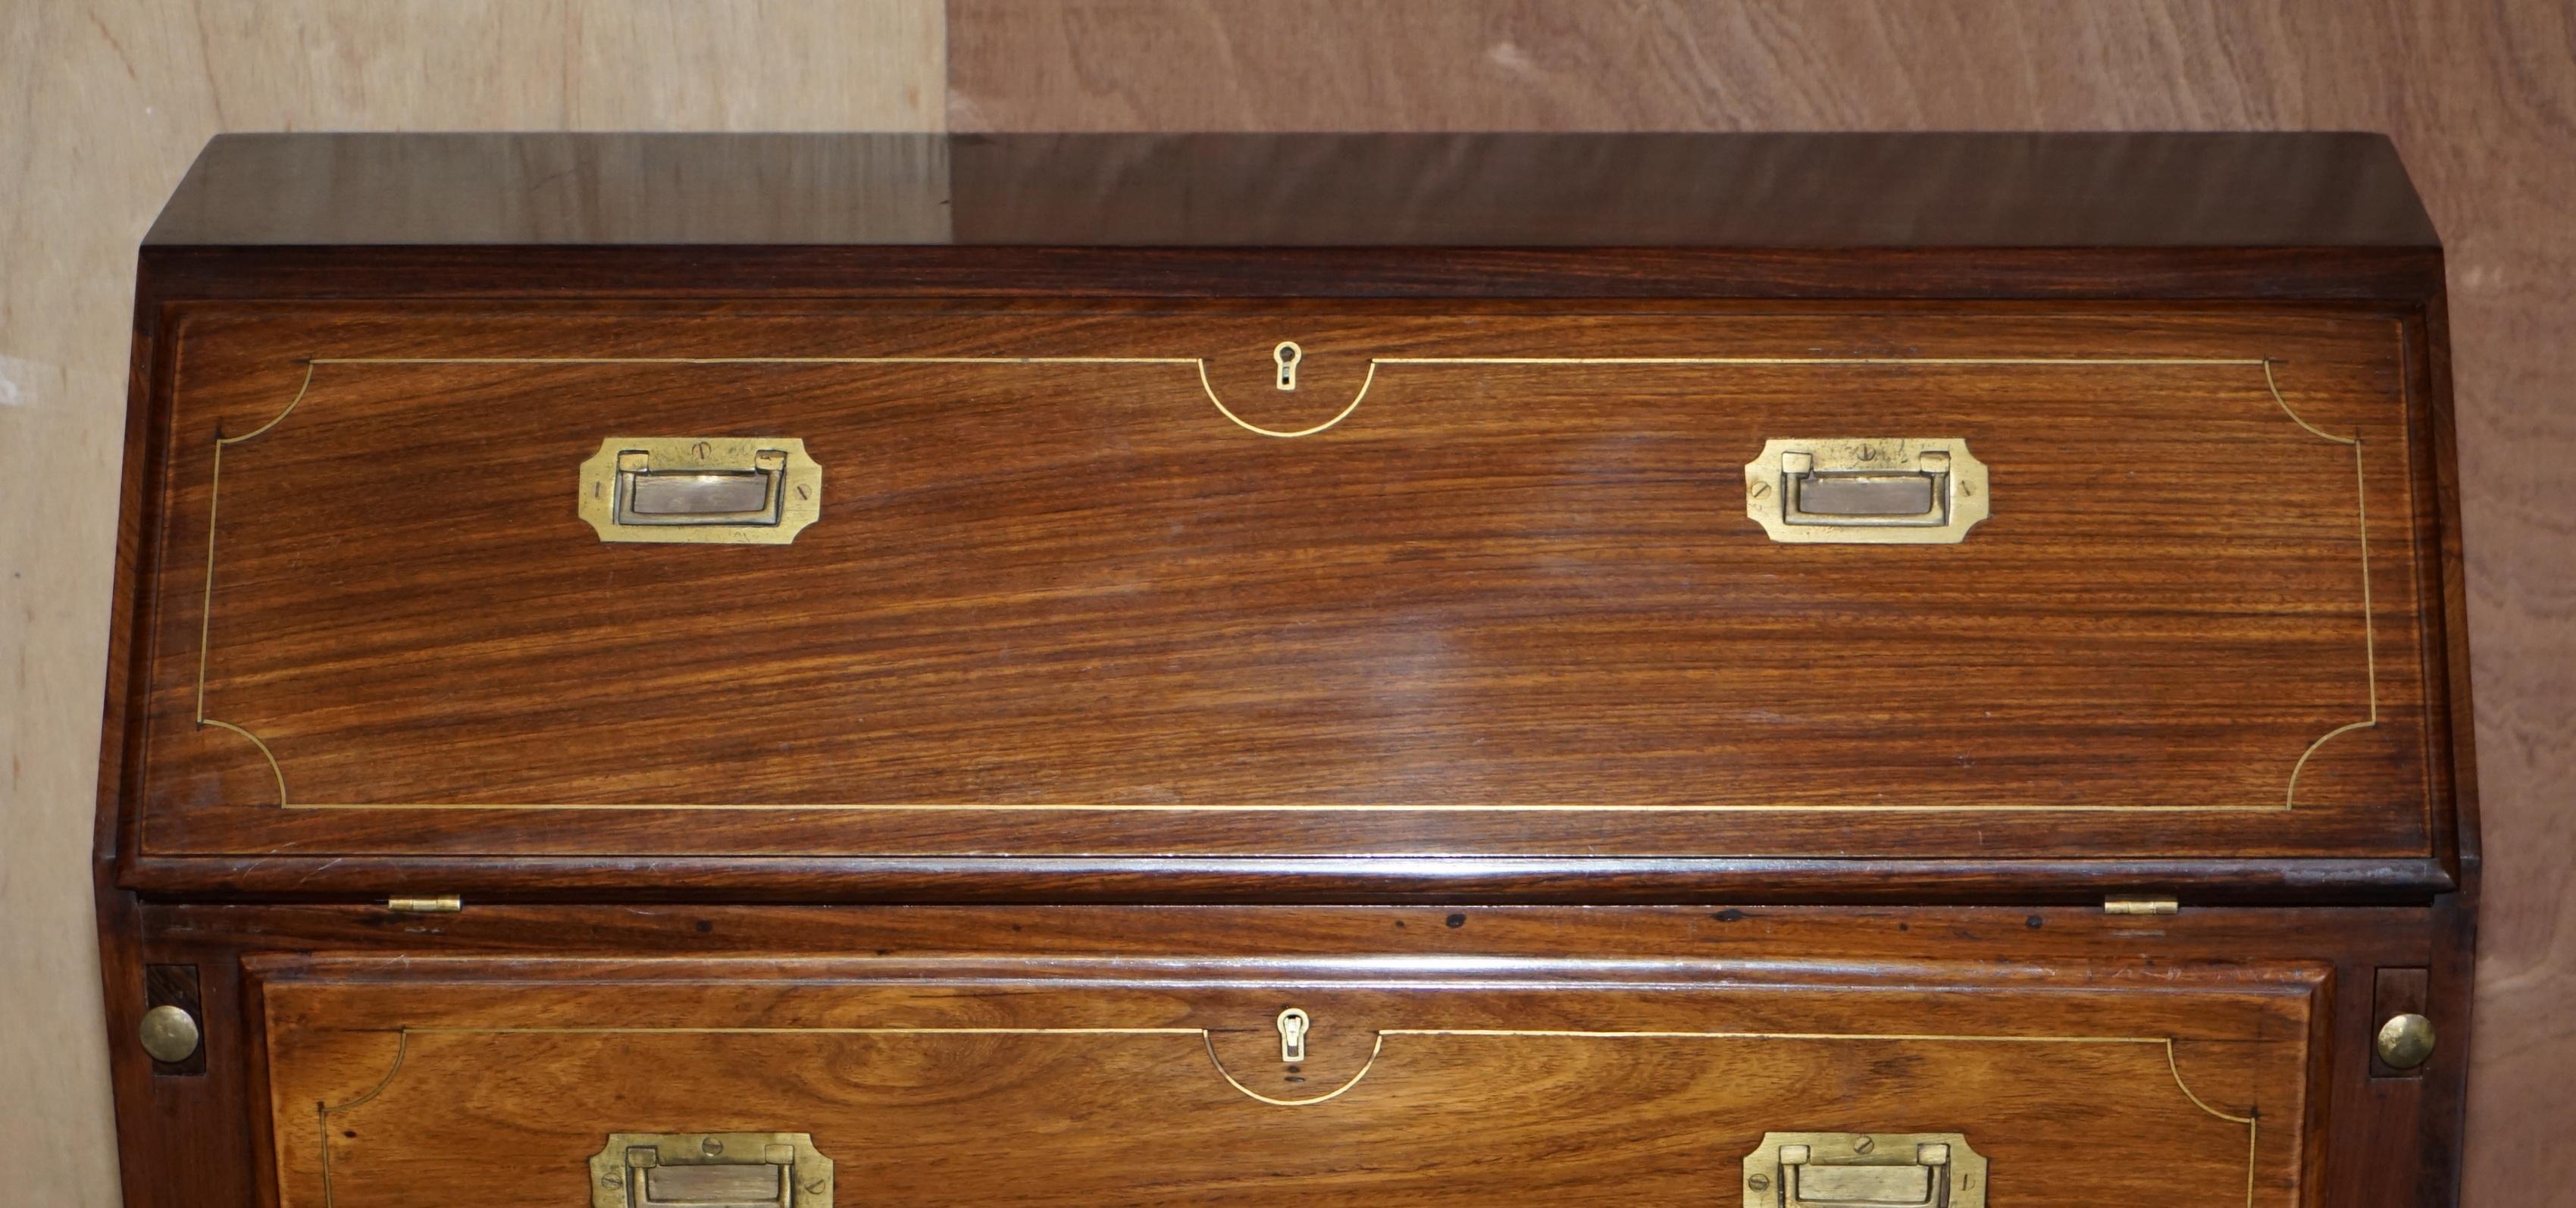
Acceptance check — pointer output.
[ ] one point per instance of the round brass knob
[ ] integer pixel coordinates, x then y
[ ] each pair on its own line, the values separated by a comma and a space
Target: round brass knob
2405, 1041
168, 1033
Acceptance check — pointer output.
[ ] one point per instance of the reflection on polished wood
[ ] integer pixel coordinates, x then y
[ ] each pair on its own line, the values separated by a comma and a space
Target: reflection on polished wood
1613, 635
1318, 190
1187, 550
1074, 1081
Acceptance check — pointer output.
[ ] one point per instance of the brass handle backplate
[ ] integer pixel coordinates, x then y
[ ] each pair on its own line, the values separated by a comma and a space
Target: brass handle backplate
1866, 490
724, 489
1864, 1170
710, 1170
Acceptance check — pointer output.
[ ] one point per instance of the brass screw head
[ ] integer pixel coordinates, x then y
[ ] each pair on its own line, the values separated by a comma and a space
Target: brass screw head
168, 1033
2405, 1041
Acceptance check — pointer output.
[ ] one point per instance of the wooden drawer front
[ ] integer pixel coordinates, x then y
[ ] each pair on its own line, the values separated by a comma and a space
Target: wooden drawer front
435, 1082
1503, 596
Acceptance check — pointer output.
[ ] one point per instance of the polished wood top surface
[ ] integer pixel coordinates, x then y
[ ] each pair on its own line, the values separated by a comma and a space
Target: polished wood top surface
1753, 191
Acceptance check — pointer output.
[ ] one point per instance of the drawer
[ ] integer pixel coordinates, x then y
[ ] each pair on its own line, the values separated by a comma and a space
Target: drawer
1083, 580
398, 1081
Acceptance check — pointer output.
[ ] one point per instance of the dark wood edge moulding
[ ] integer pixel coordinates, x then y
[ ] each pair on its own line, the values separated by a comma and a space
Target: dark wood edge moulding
1311, 880
747, 273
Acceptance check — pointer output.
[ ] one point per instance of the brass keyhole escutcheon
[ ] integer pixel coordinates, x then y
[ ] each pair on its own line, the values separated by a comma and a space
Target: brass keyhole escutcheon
2405, 1041
1286, 355
1294, 1024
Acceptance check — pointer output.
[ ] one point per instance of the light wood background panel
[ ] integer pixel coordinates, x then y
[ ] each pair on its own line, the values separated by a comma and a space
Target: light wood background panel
102, 105
2480, 94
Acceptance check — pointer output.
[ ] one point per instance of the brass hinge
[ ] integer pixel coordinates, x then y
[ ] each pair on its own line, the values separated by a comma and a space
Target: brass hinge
445, 903
2126, 903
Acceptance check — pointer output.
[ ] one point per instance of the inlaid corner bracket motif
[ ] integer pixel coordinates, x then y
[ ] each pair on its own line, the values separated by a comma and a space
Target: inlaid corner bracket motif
2290, 792
2251, 1120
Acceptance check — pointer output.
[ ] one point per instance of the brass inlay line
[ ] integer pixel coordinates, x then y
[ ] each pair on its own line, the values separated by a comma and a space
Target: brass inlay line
2253, 1147
1334, 807
402, 1047
1345, 413
606, 1030
2369, 621
264, 753
1258, 430
1821, 360
1207, 1037
753, 360
1376, 1047
2253, 1123
206, 607
2271, 385
2174, 1064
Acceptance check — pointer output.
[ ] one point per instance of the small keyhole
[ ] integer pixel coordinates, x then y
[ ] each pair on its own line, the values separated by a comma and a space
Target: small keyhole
1286, 354
1293, 1026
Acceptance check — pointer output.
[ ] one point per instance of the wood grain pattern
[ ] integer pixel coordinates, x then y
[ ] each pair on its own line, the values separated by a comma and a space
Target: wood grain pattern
1080, 1082
1729, 957
1125, 539
1143, 635
2477, 91
102, 104
2478, 96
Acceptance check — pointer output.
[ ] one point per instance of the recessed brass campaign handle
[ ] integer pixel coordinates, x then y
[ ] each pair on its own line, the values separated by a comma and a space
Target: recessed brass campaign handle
1878, 491
1864, 1170
710, 1170
734, 490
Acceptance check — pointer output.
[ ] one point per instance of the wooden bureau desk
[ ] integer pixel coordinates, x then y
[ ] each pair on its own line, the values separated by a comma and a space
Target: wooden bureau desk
1390, 670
